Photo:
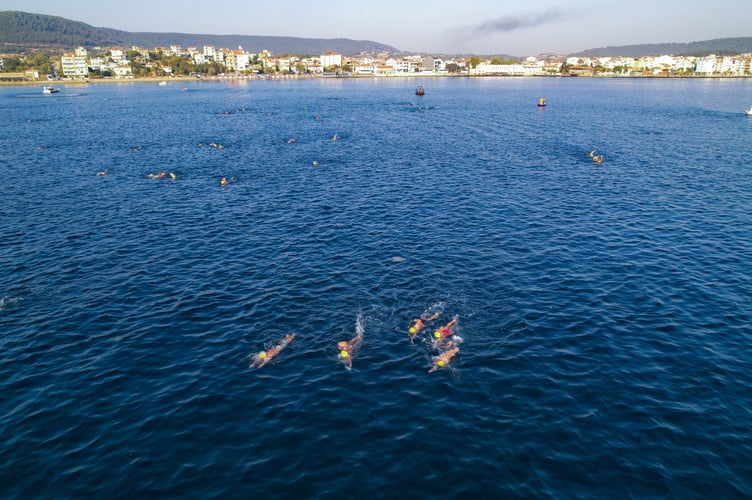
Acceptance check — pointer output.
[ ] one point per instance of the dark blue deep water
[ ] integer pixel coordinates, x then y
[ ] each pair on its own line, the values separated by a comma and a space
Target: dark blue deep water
604, 310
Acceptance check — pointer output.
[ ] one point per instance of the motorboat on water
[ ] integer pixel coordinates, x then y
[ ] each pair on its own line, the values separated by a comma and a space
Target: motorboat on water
50, 90
541, 102
420, 91
749, 111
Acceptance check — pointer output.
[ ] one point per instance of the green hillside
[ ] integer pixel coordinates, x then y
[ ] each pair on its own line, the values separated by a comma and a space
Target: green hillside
21, 31
719, 46
37, 30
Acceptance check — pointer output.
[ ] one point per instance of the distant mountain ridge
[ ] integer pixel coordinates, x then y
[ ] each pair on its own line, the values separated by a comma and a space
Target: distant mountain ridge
718, 46
25, 30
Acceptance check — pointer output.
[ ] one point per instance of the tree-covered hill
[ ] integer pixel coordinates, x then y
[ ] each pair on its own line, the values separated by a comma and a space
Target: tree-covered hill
31, 31
719, 46
37, 30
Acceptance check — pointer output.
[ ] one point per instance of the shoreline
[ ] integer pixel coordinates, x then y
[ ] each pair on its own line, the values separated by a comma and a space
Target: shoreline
185, 79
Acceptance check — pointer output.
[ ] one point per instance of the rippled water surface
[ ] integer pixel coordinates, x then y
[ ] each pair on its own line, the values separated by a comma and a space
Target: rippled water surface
604, 310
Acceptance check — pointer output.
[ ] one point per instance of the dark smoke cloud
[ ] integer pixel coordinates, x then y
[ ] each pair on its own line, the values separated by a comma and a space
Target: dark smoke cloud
507, 24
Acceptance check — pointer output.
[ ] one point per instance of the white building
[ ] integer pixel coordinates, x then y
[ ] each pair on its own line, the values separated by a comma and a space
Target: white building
331, 59
122, 70
237, 60
74, 66
706, 65
98, 63
485, 68
117, 56
365, 69
731, 66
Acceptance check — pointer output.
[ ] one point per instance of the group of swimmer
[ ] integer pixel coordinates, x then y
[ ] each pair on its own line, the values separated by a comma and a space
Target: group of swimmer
224, 181
444, 339
444, 342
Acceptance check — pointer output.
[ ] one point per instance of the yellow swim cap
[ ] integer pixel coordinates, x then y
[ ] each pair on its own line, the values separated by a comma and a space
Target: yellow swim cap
262, 354
440, 363
412, 329
344, 353
437, 334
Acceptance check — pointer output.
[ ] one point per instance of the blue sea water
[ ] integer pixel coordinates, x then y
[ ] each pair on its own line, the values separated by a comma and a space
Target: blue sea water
604, 310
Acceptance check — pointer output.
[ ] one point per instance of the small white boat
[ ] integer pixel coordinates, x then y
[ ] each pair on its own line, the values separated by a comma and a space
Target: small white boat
50, 90
749, 111
162, 84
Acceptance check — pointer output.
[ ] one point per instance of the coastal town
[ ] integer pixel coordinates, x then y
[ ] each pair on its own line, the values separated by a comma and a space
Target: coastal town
219, 63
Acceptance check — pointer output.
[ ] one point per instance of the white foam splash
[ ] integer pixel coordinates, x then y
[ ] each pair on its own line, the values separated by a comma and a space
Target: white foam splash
359, 326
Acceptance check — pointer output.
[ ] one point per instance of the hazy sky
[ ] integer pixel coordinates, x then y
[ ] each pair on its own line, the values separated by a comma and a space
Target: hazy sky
518, 28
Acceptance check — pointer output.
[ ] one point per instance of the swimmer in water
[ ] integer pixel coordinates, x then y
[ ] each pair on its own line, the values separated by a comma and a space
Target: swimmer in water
348, 349
102, 173
264, 357
445, 331
596, 158
420, 323
442, 361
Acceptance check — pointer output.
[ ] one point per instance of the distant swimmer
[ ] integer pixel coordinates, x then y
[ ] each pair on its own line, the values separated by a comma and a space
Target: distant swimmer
596, 158
102, 173
162, 175
442, 361
264, 357
335, 137
419, 324
225, 181
315, 163
290, 140
348, 349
